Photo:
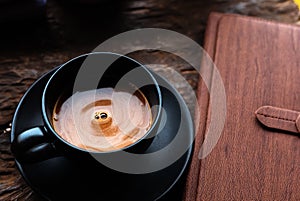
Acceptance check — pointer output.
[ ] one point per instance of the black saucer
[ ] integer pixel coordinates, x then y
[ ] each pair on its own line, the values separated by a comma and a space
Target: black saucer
60, 178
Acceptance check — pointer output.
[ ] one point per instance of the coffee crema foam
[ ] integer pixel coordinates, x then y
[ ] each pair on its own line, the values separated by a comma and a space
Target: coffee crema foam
102, 119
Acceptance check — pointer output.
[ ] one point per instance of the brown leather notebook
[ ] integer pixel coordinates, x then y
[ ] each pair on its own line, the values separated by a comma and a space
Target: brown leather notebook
257, 156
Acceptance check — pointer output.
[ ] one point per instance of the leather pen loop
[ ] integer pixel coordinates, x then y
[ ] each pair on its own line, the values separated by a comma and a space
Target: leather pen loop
279, 118
298, 123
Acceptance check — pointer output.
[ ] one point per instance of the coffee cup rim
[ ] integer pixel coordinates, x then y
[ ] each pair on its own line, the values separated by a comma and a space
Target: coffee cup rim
50, 128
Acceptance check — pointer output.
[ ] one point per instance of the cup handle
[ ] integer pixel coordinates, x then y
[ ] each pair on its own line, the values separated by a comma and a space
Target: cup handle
33, 146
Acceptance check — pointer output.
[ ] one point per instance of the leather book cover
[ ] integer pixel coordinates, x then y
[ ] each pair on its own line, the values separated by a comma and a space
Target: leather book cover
257, 156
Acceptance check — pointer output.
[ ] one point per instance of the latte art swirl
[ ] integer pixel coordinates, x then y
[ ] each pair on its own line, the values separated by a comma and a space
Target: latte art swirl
102, 119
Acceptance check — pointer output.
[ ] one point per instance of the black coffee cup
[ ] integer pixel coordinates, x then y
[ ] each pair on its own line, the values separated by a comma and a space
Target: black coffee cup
87, 72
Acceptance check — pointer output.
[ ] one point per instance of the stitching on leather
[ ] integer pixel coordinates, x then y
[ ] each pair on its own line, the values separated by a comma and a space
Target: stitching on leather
274, 117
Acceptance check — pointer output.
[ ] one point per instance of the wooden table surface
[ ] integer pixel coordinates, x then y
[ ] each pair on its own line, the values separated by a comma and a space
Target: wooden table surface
29, 50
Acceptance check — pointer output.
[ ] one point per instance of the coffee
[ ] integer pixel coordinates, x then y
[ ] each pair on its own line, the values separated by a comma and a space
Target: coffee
102, 119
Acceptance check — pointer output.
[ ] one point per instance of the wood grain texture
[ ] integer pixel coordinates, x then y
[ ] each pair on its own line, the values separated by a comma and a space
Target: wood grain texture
29, 50
190, 192
259, 63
